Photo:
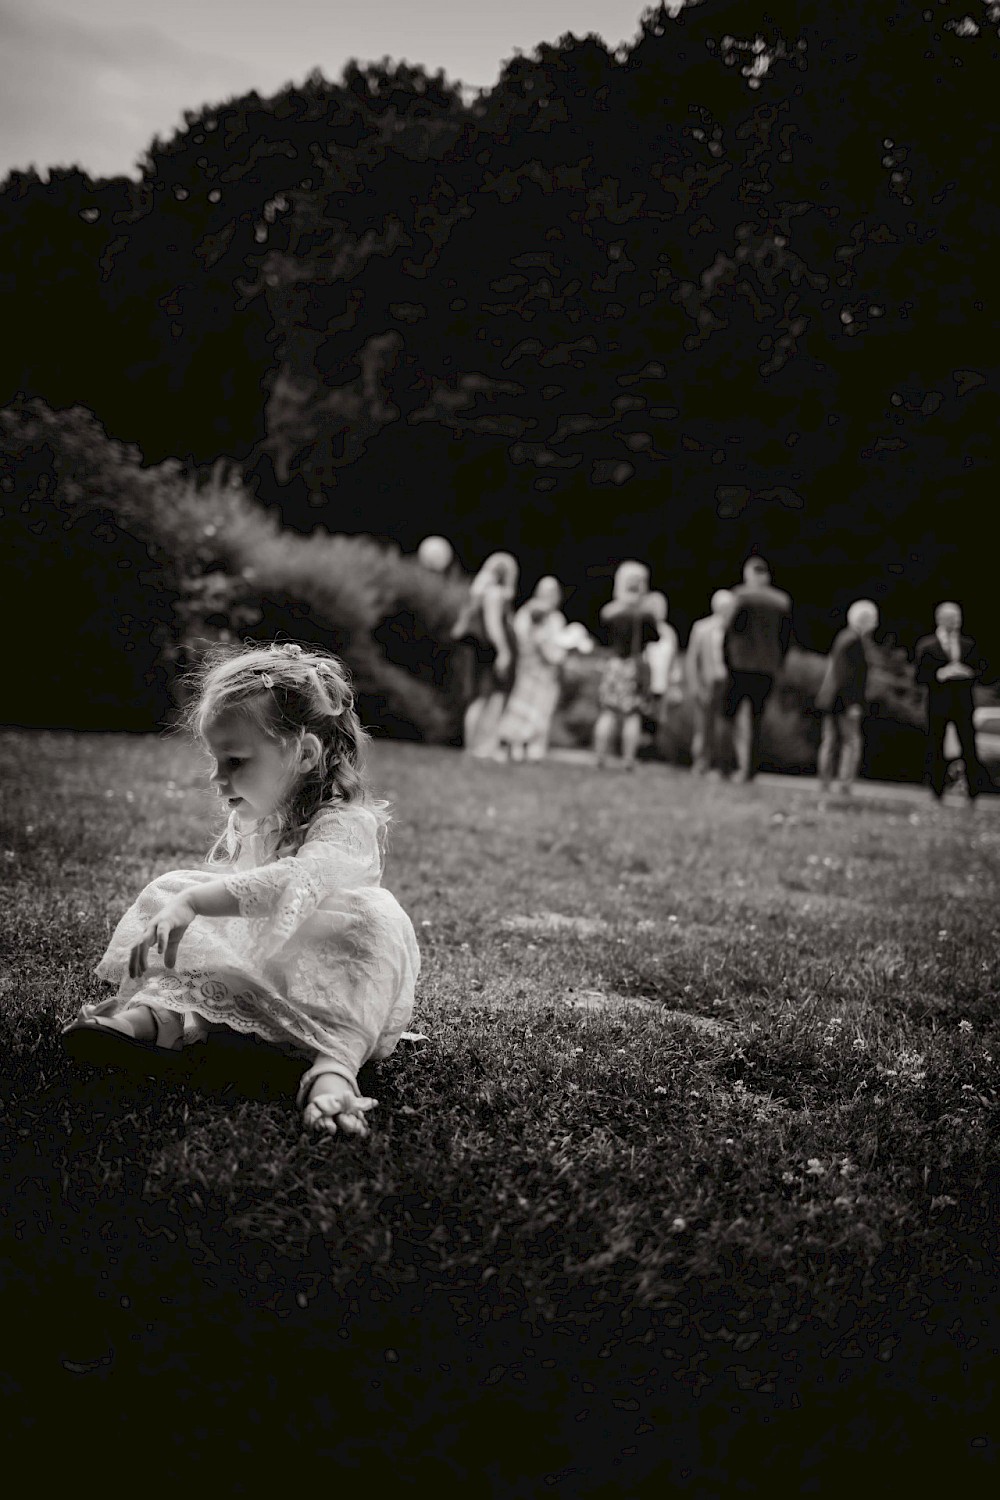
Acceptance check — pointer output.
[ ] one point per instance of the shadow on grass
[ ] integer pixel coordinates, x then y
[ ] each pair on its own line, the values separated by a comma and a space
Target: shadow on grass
226, 1068
118, 1304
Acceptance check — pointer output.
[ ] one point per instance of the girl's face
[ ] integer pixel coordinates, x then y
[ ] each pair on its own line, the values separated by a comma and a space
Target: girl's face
253, 772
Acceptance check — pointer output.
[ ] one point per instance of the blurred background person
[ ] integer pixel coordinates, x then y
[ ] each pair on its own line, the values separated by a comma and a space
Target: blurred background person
842, 698
539, 634
948, 666
660, 657
485, 630
436, 554
707, 678
629, 625
756, 641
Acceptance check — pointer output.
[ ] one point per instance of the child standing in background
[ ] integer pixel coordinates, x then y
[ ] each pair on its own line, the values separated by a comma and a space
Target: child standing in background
290, 936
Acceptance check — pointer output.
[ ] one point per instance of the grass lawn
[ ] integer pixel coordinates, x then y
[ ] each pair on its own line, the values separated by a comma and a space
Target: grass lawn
699, 1166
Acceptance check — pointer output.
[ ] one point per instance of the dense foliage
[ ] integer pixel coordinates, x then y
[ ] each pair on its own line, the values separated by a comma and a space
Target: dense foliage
132, 570
731, 286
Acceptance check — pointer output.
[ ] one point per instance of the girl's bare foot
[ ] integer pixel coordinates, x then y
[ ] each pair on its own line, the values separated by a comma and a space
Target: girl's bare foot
331, 1105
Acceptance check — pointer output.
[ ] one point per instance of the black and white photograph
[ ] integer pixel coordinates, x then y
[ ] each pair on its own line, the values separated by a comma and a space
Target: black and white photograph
500, 750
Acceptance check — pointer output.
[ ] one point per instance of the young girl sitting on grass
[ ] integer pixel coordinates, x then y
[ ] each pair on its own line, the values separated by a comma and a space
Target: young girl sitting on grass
294, 939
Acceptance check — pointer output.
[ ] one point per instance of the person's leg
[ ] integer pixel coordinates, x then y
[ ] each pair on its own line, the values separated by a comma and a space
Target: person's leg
975, 772
759, 696
937, 766
604, 733
487, 743
631, 735
700, 708
829, 743
850, 746
743, 738
719, 746
661, 732
470, 723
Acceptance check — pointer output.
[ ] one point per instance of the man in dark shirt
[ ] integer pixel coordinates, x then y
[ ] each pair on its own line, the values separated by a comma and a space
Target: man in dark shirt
948, 665
842, 698
755, 645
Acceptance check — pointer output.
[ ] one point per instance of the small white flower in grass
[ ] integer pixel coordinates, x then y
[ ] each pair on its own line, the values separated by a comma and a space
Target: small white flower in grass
425, 922
965, 1026
788, 1178
679, 1224
671, 918
859, 1044
659, 1089
943, 933
577, 1051
814, 1167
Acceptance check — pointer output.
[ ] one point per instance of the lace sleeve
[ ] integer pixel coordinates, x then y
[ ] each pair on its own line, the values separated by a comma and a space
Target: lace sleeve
340, 852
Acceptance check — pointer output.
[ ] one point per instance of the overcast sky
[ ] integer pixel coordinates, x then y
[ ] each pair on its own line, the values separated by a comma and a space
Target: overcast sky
90, 82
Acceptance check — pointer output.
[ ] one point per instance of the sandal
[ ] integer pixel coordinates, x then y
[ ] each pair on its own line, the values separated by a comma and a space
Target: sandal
102, 1044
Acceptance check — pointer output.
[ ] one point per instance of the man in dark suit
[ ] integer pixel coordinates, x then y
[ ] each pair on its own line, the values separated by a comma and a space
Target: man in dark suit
948, 665
755, 645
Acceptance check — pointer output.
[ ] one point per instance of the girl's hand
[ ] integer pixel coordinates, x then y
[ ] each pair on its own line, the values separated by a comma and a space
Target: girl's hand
164, 932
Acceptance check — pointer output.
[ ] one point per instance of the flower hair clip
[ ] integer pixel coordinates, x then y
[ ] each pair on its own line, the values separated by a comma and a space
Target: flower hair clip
289, 648
266, 680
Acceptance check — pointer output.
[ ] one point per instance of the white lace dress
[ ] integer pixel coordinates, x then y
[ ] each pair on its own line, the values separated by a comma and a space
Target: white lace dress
321, 959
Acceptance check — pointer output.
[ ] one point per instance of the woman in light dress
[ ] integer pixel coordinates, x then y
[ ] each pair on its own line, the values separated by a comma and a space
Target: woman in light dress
485, 629
540, 640
630, 621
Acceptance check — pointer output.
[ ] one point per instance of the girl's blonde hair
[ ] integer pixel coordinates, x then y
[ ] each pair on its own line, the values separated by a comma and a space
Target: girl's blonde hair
288, 691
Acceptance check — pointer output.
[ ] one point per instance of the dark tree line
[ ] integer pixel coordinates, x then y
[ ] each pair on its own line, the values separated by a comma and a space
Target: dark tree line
731, 287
